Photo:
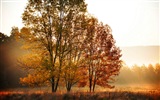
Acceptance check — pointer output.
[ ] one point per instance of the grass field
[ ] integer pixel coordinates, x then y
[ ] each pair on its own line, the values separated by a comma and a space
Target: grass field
119, 93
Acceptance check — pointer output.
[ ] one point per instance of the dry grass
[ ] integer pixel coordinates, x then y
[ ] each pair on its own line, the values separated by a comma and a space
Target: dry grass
115, 94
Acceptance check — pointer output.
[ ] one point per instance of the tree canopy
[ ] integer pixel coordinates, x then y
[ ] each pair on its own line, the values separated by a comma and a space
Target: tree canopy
63, 42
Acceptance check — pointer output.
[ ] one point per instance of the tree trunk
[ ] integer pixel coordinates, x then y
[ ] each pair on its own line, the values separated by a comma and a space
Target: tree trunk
90, 84
53, 87
93, 88
90, 77
57, 84
69, 87
94, 83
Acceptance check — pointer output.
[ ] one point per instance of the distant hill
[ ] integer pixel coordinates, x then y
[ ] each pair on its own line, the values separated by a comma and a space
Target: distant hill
141, 55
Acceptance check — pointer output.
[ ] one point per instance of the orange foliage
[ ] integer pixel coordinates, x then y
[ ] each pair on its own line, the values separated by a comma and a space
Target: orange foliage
102, 57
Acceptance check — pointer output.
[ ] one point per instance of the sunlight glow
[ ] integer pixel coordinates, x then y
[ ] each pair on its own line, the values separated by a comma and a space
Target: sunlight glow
11, 12
133, 22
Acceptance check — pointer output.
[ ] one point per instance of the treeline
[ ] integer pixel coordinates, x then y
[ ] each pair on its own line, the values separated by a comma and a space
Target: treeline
9, 72
140, 75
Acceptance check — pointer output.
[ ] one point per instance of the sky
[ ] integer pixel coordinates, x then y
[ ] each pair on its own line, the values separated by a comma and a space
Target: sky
133, 22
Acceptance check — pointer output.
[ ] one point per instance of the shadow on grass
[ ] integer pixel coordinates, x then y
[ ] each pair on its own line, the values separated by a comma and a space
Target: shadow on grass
114, 95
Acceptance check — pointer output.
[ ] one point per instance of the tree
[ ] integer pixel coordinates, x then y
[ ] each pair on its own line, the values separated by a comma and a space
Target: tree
73, 61
157, 72
151, 74
9, 51
138, 75
101, 55
125, 76
3, 38
4, 62
47, 26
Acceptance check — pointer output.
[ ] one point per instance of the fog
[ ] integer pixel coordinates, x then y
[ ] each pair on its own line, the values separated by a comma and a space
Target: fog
129, 75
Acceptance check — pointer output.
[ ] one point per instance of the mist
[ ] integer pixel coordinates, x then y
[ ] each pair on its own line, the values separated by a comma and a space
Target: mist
10, 72
139, 75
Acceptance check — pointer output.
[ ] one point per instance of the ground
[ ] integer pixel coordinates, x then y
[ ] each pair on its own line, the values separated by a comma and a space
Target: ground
119, 93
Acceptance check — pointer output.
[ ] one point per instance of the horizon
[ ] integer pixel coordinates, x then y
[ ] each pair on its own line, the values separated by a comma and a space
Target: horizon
145, 55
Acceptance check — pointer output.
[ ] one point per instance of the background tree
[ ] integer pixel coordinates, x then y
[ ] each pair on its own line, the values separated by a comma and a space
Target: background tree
9, 51
151, 74
47, 22
136, 75
157, 72
4, 61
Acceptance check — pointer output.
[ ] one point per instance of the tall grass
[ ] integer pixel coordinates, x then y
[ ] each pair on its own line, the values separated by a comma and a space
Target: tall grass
80, 94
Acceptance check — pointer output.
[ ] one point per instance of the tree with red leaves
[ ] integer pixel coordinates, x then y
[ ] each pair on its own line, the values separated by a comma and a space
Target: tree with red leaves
102, 56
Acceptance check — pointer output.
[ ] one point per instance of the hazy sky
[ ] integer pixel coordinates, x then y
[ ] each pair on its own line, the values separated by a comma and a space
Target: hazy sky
133, 22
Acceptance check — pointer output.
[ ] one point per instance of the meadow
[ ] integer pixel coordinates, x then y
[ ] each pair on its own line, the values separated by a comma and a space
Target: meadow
118, 93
